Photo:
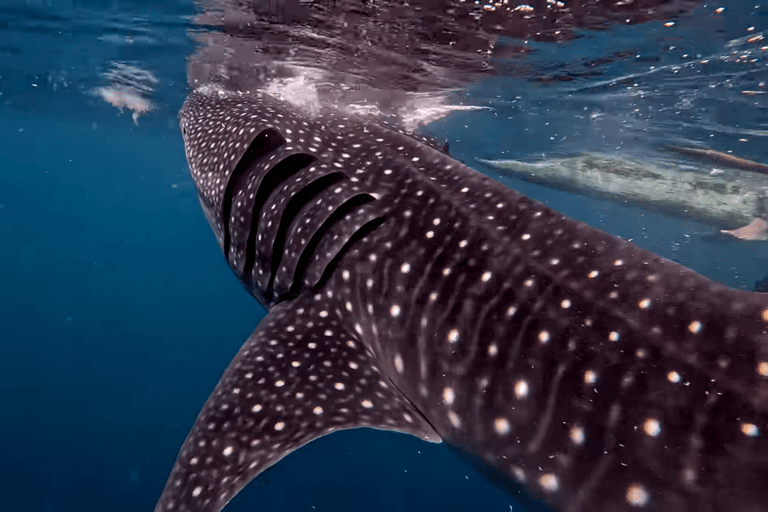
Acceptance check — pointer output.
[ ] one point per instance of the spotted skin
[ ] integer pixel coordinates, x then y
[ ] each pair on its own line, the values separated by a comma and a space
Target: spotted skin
581, 371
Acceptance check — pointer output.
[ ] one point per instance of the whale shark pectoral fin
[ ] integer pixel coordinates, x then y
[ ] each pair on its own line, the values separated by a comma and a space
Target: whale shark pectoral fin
755, 230
301, 374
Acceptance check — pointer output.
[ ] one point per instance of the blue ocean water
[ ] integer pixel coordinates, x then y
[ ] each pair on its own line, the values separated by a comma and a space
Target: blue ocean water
118, 312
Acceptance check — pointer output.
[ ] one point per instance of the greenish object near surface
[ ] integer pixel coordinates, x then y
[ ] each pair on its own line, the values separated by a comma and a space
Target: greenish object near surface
727, 199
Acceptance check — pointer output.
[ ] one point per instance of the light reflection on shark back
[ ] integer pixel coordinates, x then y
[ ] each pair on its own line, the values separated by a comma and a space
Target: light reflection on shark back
408, 292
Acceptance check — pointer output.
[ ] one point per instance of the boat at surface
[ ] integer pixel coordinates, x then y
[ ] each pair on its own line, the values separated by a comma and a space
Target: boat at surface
726, 198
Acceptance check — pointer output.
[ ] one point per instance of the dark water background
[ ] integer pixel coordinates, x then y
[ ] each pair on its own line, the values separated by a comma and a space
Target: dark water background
118, 313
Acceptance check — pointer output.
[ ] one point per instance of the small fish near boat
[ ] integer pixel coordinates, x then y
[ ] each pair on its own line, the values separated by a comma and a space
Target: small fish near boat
734, 201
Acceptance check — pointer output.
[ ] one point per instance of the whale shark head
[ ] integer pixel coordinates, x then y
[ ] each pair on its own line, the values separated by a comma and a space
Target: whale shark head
235, 173
259, 165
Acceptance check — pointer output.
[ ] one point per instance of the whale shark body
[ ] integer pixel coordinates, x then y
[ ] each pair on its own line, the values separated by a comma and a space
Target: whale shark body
408, 292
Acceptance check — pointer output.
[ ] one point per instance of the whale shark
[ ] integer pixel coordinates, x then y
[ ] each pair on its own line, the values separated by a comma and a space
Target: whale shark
408, 292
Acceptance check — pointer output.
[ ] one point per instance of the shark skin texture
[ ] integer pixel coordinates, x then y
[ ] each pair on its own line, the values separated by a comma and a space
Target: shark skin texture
408, 292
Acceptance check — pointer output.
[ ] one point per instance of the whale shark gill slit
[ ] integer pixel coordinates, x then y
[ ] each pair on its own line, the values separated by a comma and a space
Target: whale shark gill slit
338, 216
272, 180
264, 143
358, 235
289, 214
